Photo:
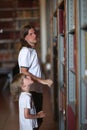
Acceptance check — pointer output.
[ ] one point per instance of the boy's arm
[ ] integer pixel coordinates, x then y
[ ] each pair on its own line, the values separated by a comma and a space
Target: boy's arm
27, 115
48, 82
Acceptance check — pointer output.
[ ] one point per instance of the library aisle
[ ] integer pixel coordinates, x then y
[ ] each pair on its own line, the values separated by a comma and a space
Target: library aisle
9, 111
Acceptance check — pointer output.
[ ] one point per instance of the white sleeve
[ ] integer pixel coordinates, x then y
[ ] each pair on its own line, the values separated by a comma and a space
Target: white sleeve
24, 57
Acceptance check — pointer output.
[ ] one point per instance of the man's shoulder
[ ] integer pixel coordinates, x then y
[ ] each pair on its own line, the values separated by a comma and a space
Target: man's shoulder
27, 52
24, 50
27, 49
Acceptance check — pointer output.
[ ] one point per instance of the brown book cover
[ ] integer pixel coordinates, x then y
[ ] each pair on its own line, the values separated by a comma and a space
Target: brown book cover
61, 28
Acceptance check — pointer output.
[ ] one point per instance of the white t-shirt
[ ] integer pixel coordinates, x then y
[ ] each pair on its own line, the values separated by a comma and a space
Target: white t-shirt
25, 101
28, 58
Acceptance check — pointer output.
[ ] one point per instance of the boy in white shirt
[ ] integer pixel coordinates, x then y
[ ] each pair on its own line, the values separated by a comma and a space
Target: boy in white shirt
19, 88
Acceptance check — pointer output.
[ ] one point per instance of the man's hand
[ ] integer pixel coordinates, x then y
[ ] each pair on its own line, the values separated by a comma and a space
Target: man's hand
49, 82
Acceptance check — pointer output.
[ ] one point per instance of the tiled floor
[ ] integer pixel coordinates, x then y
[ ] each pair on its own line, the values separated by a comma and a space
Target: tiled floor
9, 112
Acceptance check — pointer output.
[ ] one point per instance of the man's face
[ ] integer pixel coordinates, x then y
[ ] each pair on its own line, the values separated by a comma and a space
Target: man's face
31, 37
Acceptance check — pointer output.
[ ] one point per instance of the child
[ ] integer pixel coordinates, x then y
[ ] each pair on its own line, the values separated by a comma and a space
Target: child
19, 88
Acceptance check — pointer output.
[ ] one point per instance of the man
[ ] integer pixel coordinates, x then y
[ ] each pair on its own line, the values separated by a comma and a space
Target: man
29, 64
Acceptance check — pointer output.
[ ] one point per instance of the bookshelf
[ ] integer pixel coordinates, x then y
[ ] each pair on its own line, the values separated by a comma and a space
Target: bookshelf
54, 54
70, 30
82, 33
62, 63
14, 15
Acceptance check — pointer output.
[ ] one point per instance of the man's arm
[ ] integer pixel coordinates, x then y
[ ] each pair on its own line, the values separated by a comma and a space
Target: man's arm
48, 82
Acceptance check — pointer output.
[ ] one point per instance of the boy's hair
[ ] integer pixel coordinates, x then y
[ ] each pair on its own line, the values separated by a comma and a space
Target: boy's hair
15, 86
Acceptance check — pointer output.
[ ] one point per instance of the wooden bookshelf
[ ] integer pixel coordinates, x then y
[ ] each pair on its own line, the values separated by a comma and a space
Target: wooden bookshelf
69, 25
14, 15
